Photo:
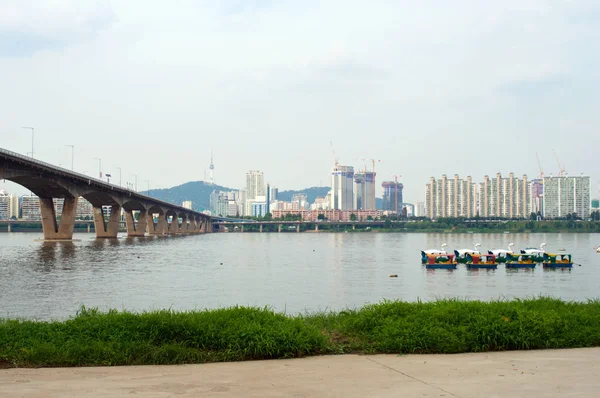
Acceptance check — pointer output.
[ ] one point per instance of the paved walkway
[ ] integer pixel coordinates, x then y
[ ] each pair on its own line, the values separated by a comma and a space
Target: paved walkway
552, 373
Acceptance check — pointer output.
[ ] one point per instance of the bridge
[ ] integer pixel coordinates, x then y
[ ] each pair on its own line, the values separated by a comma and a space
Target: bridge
221, 223
49, 182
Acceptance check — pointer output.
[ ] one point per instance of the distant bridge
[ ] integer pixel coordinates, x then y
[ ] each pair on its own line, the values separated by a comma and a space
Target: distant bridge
221, 223
49, 182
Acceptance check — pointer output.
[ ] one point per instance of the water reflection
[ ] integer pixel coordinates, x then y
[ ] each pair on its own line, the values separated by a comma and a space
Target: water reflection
46, 253
67, 251
291, 272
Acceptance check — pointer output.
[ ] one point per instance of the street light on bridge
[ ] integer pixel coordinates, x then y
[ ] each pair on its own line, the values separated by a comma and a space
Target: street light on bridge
72, 154
135, 175
148, 191
99, 166
32, 131
118, 168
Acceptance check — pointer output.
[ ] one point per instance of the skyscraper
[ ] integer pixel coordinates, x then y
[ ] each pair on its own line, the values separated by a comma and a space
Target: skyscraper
30, 207
392, 196
255, 184
342, 179
364, 190
255, 188
14, 206
4, 205
566, 195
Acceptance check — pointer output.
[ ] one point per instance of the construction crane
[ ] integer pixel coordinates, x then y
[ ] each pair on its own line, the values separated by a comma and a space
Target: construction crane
540, 166
396, 189
561, 169
335, 158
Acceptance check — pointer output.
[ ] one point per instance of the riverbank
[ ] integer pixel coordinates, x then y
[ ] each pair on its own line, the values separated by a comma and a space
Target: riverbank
93, 338
547, 373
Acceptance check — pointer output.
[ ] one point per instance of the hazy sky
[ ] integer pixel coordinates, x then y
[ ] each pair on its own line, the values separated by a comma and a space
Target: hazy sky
429, 87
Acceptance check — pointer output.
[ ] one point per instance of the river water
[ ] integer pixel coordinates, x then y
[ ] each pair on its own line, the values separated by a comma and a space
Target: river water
288, 271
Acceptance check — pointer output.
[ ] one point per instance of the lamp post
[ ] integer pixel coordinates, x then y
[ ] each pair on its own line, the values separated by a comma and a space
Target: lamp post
72, 154
118, 168
32, 131
135, 175
148, 191
99, 167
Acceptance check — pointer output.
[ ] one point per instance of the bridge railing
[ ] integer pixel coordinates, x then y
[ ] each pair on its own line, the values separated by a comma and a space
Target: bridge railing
97, 181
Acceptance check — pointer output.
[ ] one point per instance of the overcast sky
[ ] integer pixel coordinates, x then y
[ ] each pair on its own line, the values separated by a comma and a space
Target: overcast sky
429, 87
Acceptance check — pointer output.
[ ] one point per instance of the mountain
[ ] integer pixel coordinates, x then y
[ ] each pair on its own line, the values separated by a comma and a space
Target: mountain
199, 193
311, 194
196, 191
315, 192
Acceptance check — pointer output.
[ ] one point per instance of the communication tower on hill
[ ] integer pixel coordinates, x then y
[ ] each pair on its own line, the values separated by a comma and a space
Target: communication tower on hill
211, 167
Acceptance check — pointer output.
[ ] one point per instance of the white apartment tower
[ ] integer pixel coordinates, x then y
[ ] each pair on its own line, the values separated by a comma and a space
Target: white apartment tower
255, 184
4, 205
342, 179
567, 195
450, 197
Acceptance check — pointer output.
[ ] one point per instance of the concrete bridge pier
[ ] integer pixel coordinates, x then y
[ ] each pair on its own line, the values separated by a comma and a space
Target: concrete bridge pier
174, 226
9, 227
278, 227
133, 228
353, 227
298, 228
89, 228
242, 228
317, 227
162, 226
103, 228
260, 230
53, 230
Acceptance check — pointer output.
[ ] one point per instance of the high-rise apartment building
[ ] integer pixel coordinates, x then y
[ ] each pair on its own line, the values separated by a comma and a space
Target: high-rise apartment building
4, 205
255, 184
14, 206
187, 204
255, 187
30, 208
392, 196
566, 195
495, 197
85, 210
450, 197
342, 193
364, 190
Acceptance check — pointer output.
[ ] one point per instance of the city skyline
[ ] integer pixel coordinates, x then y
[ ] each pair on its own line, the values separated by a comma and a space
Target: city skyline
409, 84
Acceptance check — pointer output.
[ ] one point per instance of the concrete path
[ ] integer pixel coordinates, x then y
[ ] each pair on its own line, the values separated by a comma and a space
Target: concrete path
553, 373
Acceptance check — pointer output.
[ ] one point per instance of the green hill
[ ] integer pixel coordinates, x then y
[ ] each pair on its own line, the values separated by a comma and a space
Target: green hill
196, 191
199, 193
311, 193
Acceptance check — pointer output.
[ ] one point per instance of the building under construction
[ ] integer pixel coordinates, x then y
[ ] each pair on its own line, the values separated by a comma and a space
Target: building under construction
364, 190
392, 196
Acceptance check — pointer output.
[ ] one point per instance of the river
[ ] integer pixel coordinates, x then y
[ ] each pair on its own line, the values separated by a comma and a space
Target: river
288, 271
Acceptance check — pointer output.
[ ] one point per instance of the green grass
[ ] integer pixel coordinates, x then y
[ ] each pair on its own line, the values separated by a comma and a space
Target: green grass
239, 333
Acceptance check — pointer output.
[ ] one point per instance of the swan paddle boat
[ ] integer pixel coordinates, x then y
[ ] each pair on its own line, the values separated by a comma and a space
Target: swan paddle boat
562, 260
537, 253
485, 261
501, 253
433, 252
440, 261
461, 254
520, 260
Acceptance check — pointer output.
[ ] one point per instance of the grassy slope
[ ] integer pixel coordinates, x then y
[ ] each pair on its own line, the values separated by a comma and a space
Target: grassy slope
166, 337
